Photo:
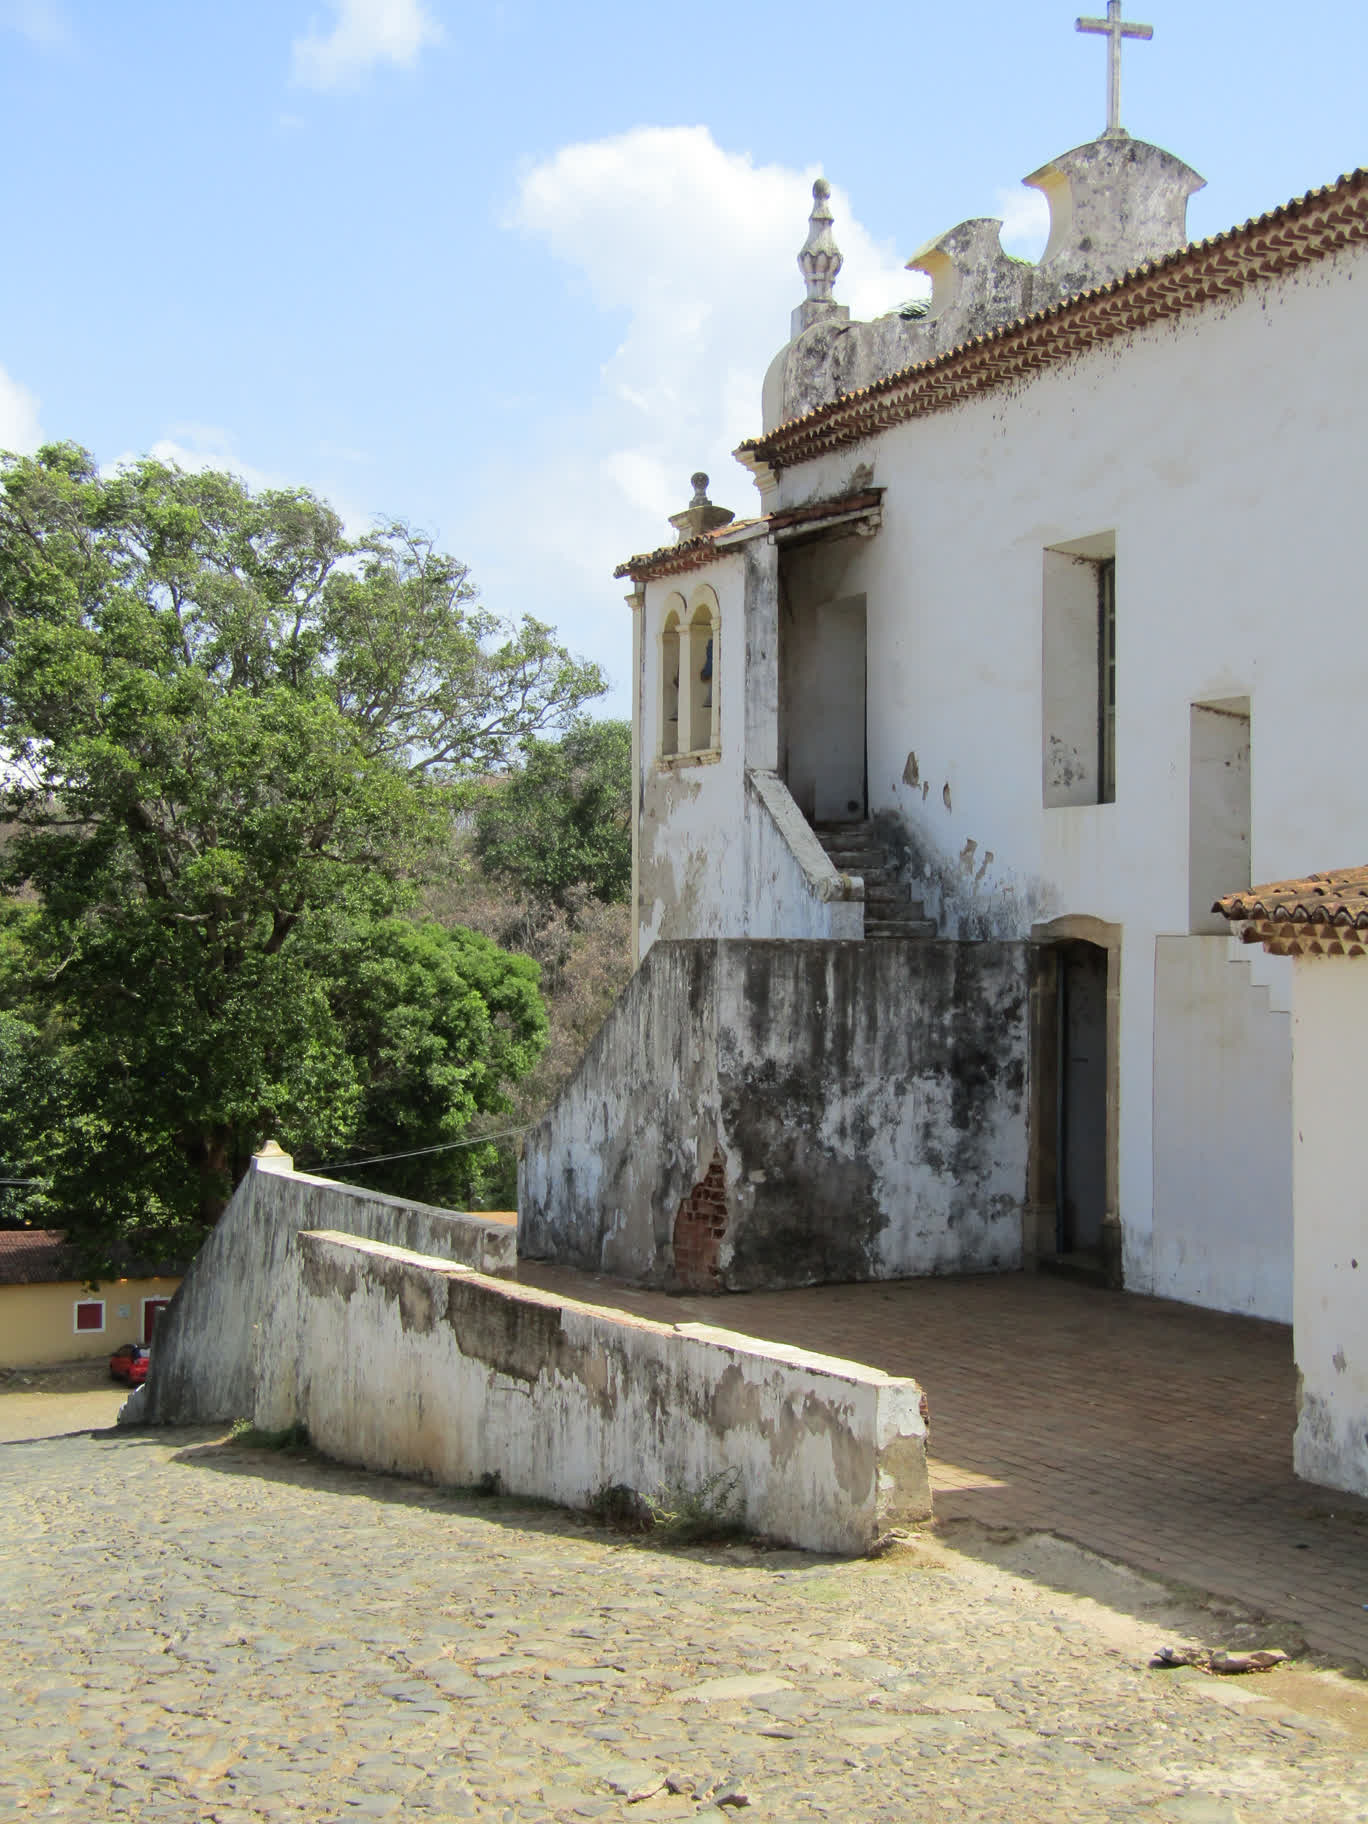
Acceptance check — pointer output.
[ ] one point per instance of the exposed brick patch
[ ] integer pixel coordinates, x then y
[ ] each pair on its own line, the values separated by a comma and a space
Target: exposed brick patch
699, 1228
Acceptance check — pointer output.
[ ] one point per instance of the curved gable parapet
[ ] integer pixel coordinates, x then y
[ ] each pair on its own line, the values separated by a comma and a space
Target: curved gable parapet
1115, 204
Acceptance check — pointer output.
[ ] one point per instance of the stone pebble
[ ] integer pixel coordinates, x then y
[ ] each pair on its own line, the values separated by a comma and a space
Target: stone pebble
199, 1633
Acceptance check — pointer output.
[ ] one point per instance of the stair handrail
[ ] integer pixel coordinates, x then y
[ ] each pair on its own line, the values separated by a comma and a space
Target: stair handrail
819, 870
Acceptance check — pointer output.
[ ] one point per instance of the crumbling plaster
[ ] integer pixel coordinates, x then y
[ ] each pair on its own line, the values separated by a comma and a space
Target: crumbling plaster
868, 1101
1200, 443
407, 1364
202, 1369
1114, 204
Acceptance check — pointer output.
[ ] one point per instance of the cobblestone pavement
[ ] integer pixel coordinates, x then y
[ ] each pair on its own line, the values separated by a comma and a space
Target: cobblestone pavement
202, 1633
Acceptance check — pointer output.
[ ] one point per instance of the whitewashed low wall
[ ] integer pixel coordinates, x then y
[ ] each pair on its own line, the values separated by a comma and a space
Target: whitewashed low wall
201, 1369
402, 1363
792, 887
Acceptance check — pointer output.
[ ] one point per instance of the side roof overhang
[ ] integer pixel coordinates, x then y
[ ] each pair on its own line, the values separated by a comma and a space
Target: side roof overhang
862, 510
1319, 915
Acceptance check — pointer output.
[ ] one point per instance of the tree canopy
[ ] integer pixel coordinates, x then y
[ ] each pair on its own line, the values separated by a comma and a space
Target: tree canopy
231, 736
561, 823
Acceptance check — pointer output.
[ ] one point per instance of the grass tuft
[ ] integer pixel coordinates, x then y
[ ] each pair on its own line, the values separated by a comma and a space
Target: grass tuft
676, 1515
292, 1437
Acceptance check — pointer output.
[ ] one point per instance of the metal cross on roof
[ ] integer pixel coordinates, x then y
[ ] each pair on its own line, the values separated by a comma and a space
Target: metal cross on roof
1116, 29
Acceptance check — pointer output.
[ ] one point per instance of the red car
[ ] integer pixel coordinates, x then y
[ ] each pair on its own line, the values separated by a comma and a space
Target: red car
130, 1363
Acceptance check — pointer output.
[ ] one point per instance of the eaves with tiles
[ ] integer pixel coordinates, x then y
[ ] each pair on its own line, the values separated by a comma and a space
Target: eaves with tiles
1318, 915
675, 560
1309, 228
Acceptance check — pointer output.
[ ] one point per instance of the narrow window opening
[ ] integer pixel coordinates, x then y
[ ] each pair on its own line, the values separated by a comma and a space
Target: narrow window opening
669, 686
1106, 681
1219, 807
700, 680
1079, 673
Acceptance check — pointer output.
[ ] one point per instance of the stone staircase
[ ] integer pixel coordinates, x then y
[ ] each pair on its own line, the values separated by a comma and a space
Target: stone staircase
854, 848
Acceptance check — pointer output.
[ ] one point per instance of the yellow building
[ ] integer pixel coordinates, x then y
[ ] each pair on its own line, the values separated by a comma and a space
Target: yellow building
47, 1314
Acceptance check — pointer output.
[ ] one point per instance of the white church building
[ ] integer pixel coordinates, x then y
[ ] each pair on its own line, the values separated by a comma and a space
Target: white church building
1042, 637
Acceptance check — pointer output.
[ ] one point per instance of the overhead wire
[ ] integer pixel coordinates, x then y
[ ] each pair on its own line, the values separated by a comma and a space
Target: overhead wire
417, 1152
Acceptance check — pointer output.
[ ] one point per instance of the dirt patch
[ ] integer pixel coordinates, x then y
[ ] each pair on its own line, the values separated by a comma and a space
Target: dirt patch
48, 1402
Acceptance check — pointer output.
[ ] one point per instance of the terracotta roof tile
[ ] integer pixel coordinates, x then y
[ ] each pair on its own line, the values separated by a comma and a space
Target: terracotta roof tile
1337, 897
43, 1257
1320, 915
671, 560
1310, 227
34, 1257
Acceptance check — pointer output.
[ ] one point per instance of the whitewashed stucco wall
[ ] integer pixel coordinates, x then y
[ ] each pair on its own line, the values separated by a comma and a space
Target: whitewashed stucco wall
1224, 451
1222, 1100
1330, 1195
717, 856
202, 1369
400, 1362
867, 1102
690, 836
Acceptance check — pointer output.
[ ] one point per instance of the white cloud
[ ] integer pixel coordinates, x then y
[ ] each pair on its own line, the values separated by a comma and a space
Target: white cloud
42, 22
364, 33
195, 447
18, 416
1025, 222
697, 247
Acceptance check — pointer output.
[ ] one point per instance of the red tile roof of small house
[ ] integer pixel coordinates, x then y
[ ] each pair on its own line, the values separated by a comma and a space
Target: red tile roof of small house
34, 1257
44, 1257
1317, 915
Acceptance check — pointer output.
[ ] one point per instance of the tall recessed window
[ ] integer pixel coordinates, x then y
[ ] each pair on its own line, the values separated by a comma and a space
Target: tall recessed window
702, 677
1079, 673
1106, 681
669, 684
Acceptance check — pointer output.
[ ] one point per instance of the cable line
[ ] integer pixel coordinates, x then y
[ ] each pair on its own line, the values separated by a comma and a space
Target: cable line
418, 1152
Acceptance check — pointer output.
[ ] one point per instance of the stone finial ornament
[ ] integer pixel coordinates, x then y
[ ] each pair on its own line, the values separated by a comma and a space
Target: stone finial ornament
700, 516
819, 261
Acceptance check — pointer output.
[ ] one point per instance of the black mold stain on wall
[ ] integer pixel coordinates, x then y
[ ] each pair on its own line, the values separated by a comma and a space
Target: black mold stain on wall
869, 1101
834, 1044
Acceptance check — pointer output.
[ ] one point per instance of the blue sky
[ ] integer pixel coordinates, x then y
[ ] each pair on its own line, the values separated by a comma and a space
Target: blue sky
513, 270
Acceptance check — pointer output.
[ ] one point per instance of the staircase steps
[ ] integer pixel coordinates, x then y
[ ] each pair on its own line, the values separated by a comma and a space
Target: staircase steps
854, 848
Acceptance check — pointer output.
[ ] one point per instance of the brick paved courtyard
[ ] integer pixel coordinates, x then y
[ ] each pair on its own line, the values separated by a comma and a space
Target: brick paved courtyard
1156, 1433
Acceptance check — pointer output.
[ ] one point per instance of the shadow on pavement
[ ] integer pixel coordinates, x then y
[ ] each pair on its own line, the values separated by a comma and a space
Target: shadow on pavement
301, 1466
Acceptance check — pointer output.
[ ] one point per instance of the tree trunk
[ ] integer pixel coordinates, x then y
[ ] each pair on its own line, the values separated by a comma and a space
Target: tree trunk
209, 1153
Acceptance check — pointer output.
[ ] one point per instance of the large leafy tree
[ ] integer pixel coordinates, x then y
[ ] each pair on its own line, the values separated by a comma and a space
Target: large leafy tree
560, 826
230, 739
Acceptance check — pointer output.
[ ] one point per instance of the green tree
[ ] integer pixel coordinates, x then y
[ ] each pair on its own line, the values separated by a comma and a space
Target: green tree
231, 739
440, 1022
561, 824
